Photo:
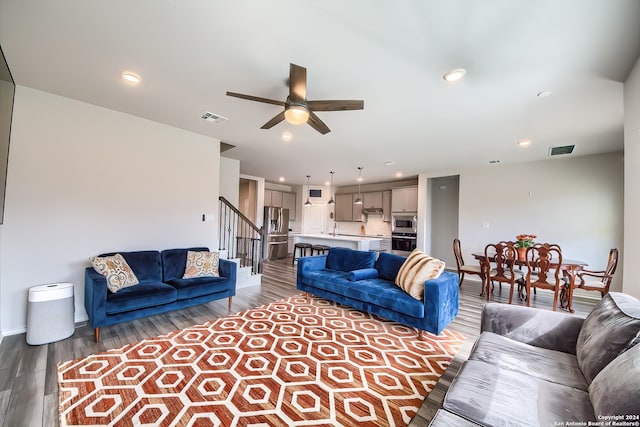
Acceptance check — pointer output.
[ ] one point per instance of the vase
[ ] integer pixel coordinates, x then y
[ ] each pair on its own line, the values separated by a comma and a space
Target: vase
522, 254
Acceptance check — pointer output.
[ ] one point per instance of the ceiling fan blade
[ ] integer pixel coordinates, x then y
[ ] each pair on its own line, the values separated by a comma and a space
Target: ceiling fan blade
256, 98
297, 83
271, 123
315, 122
335, 105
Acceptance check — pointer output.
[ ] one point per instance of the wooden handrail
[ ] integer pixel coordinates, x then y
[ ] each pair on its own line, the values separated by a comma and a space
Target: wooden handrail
240, 214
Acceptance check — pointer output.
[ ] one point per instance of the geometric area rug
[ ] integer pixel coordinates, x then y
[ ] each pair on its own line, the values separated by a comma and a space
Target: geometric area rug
294, 362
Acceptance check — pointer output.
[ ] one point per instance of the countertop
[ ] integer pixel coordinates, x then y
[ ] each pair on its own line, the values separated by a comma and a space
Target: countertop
342, 237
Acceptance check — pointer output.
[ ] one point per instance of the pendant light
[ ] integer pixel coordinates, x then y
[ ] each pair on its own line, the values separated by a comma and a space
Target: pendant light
331, 201
358, 200
308, 202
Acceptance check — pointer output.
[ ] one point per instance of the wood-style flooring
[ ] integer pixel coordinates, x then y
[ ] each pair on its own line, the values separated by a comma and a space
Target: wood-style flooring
28, 378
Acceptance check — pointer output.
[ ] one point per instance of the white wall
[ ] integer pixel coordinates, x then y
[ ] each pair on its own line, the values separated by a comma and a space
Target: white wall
632, 178
576, 202
229, 179
84, 180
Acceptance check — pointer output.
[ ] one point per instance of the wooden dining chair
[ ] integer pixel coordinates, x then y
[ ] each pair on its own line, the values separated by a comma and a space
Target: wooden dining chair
543, 270
462, 267
503, 255
591, 280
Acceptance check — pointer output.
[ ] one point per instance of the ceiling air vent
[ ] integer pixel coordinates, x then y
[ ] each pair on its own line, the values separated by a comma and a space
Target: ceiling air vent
565, 149
213, 118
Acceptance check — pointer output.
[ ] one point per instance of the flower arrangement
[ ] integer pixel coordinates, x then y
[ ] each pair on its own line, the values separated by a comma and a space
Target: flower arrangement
525, 240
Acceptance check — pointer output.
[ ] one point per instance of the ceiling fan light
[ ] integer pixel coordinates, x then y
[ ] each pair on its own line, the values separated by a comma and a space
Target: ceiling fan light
454, 75
296, 114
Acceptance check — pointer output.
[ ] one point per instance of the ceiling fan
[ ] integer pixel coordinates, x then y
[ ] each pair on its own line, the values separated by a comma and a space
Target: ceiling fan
297, 110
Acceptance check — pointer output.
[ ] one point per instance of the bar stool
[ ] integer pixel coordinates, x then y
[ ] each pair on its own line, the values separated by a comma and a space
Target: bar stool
303, 250
320, 249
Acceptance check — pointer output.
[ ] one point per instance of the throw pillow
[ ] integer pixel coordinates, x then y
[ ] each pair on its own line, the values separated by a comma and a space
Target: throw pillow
116, 270
201, 264
610, 328
615, 391
416, 269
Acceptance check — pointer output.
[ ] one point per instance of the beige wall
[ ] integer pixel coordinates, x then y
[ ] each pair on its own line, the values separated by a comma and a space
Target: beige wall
632, 178
84, 180
576, 202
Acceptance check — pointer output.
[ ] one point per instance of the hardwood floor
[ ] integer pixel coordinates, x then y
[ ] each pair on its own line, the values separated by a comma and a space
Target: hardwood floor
28, 377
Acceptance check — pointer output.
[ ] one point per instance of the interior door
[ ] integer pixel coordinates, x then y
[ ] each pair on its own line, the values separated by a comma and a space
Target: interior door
314, 218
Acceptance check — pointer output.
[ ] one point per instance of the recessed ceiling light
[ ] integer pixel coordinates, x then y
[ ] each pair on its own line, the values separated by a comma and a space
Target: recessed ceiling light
130, 77
281, 179
524, 142
454, 75
286, 136
543, 94
398, 174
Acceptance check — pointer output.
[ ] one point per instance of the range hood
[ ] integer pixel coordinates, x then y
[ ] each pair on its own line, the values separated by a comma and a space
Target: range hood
372, 211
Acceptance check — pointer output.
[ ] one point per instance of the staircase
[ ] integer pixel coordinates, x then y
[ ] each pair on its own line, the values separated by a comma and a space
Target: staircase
240, 240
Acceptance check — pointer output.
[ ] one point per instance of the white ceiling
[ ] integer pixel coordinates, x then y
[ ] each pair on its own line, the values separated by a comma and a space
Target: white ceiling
391, 54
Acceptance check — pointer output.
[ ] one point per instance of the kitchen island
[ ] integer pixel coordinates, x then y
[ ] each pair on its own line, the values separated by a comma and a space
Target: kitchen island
361, 243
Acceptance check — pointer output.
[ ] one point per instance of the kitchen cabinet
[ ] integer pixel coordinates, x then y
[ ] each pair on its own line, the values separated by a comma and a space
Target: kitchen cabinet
385, 245
404, 199
273, 198
344, 207
276, 199
357, 209
386, 206
372, 200
289, 202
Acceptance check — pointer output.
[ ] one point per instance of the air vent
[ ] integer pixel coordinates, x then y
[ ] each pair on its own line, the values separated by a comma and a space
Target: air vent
213, 118
565, 149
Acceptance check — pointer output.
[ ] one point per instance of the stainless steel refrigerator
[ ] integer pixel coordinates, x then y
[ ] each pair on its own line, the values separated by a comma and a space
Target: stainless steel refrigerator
276, 229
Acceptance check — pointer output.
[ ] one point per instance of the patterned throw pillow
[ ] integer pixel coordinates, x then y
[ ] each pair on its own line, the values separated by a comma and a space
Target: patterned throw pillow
416, 269
201, 264
115, 268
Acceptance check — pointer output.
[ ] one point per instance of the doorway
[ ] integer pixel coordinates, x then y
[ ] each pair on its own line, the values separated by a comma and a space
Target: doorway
314, 218
444, 202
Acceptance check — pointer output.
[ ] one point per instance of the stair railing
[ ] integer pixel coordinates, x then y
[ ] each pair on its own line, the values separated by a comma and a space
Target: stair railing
240, 237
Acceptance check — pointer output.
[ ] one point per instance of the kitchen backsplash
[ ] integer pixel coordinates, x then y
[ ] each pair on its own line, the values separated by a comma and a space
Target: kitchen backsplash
374, 225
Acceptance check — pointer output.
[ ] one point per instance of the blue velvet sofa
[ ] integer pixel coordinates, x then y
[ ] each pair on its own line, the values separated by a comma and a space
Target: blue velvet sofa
161, 287
355, 279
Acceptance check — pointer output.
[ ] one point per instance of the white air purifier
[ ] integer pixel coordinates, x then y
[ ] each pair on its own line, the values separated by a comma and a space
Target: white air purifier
50, 313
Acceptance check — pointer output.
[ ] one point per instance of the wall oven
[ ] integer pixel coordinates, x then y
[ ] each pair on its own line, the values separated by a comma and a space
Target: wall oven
404, 222
403, 243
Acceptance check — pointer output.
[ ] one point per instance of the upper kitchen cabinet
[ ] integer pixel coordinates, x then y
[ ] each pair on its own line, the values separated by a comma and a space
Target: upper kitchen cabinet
372, 200
404, 199
276, 199
386, 206
273, 198
344, 207
289, 202
357, 209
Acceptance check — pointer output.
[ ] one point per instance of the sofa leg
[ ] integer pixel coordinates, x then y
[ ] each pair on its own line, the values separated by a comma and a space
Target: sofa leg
230, 298
97, 334
420, 334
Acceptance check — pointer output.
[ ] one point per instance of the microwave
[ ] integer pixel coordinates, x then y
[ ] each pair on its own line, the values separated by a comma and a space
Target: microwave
404, 223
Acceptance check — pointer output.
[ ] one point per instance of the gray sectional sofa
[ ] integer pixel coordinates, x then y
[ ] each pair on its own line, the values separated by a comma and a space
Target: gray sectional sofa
533, 367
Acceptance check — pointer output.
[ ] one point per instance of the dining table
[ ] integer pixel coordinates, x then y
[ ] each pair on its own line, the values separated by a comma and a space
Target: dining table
569, 267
